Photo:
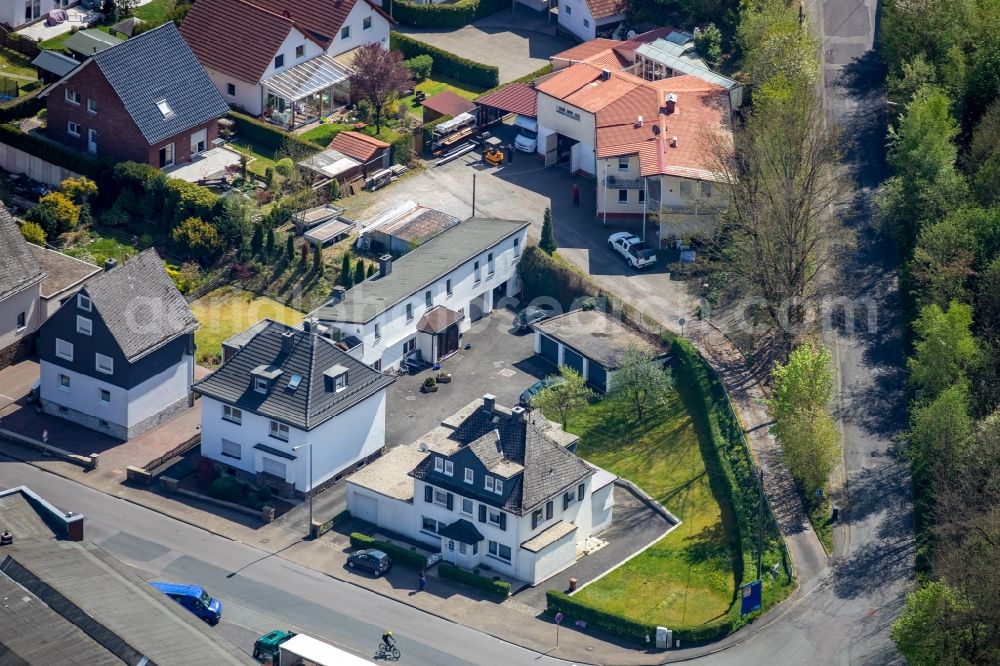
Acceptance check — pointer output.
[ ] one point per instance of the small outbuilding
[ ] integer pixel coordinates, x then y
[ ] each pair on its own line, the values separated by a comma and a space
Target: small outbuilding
517, 97
86, 43
447, 104
52, 65
592, 342
403, 227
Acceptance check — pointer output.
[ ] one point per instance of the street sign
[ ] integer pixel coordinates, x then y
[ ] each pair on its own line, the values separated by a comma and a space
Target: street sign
559, 618
750, 596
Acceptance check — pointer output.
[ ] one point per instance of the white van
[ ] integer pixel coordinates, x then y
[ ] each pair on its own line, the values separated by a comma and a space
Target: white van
527, 136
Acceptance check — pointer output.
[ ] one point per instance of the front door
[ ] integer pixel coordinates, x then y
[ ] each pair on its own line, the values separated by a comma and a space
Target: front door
92, 141
449, 549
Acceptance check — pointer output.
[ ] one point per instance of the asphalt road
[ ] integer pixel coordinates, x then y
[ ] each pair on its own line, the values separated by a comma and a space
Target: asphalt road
261, 592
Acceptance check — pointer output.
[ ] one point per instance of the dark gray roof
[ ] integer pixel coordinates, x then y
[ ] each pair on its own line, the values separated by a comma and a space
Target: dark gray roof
419, 268
306, 355
158, 65
61, 270
462, 530
89, 42
55, 62
140, 305
548, 468
84, 587
597, 335
18, 269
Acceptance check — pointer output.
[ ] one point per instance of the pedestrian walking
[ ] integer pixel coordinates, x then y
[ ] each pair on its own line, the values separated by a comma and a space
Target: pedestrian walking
421, 581
510, 153
576, 194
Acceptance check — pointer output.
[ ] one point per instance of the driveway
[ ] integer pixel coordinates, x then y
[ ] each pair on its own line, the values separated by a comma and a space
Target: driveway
518, 43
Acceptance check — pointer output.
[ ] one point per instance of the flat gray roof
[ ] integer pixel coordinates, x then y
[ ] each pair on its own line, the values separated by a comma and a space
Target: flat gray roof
419, 268
596, 335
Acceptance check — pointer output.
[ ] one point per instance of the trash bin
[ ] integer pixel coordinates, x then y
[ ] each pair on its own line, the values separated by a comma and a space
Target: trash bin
572, 584
664, 637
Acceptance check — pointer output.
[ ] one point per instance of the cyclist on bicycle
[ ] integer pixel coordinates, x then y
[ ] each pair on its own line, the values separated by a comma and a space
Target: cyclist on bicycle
387, 638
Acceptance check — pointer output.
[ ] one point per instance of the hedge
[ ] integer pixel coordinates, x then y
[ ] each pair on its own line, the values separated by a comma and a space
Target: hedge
24, 106
50, 152
450, 15
400, 554
445, 63
494, 588
268, 136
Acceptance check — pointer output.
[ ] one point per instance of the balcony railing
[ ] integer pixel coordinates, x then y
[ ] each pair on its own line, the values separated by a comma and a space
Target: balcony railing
625, 183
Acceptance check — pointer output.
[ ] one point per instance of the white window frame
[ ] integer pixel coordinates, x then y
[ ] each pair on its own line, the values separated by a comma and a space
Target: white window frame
172, 152
68, 384
488, 483
409, 312
281, 57
64, 349
498, 487
92, 106
340, 382
70, 124
449, 468
475, 272
490, 265
260, 384
100, 396
438, 464
84, 325
425, 528
84, 303
71, 96
623, 163
239, 449
471, 504
492, 514
21, 321
470, 476
104, 364
441, 497
378, 331
232, 414
278, 430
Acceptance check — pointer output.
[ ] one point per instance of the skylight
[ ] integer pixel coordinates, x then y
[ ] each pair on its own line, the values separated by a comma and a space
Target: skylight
294, 382
164, 108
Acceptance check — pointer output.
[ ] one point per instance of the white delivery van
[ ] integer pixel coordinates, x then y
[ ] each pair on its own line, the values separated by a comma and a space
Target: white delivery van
302, 650
527, 135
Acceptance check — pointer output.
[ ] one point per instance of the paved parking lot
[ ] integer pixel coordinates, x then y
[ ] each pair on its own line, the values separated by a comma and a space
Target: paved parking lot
518, 43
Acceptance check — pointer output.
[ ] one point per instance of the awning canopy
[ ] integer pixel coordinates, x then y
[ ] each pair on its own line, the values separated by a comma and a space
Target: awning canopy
520, 98
306, 78
462, 530
437, 319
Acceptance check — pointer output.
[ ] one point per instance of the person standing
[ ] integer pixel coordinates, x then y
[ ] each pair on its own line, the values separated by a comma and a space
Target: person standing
510, 153
421, 581
575, 190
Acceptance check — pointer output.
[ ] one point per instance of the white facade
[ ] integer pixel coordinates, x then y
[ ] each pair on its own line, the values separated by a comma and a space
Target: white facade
109, 408
558, 117
392, 334
20, 315
575, 17
336, 444
357, 35
19, 13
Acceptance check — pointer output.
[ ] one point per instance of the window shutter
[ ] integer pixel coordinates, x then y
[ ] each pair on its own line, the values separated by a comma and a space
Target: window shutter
566, 497
503, 521
534, 520
451, 501
548, 510
482, 513
428, 494
579, 492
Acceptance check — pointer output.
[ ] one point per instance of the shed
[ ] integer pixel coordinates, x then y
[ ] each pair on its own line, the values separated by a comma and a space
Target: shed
330, 231
127, 27
446, 103
520, 98
371, 153
52, 65
592, 342
407, 225
312, 217
88, 42
332, 164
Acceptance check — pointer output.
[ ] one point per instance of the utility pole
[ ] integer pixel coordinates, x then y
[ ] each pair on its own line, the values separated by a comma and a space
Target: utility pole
760, 526
473, 195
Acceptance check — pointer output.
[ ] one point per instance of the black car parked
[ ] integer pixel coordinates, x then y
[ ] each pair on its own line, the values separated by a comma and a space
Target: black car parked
370, 560
531, 315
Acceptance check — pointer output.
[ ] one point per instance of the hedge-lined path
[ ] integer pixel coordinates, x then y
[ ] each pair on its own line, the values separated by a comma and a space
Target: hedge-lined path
518, 44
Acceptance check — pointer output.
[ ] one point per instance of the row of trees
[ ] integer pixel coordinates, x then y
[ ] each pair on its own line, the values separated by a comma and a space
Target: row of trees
943, 206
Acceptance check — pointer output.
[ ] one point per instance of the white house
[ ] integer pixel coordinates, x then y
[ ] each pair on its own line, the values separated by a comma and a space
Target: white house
424, 301
651, 145
279, 59
21, 276
584, 19
290, 410
118, 356
19, 14
492, 488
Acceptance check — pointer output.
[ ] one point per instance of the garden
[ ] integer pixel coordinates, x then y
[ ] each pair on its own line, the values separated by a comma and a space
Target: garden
152, 14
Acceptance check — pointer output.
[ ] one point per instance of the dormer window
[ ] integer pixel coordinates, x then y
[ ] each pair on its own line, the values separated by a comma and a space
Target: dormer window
260, 384
438, 464
489, 483
498, 487
164, 108
263, 377
336, 378
469, 475
449, 468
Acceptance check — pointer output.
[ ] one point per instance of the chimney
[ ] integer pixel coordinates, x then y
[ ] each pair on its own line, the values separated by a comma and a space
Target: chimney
287, 339
638, 121
308, 323
384, 265
671, 103
109, 264
673, 142
6, 538
520, 413
605, 74
489, 402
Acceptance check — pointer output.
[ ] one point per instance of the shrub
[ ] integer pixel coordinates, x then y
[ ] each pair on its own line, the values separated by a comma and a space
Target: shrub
420, 66
205, 472
116, 216
399, 554
185, 200
401, 150
78, 189
196, 238
33, 233
445, 63
55, 213
285, 166
609, 623
226, 488
450, 15
494, 588
268, 136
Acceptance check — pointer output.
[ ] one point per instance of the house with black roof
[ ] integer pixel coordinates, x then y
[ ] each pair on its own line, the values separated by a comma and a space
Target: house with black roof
20, 280
118, 356
491, 487
290, 410
147, 100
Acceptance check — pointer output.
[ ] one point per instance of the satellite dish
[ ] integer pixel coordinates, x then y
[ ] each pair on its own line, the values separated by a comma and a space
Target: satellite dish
631, 34
656, 128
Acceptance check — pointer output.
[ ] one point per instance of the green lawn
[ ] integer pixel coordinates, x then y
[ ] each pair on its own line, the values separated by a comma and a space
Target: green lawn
16, 65
96, 248
155, 11
262, 159
323, 134
226, 311
433, 86
688, 577
57, 43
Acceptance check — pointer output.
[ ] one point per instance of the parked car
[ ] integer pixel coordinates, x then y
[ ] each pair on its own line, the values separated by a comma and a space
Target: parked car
528, 394
636, 252
194, 598
531, 315
527, 135
267, 647
371, 560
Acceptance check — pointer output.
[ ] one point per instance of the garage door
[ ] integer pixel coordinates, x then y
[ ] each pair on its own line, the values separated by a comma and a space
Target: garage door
366, 508
597, 376
476, 307
572, 359
550, 350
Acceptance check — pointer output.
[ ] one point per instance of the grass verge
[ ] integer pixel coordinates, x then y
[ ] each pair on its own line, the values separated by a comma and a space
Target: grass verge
227, 311
432, 86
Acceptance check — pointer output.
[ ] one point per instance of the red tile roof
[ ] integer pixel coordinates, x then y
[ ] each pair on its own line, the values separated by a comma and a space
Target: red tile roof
235, 37
323, 17
700, 119
359, 146
449, 104
604, 8
519, 98
581, 52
